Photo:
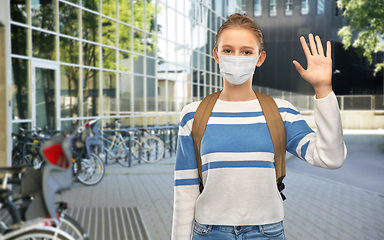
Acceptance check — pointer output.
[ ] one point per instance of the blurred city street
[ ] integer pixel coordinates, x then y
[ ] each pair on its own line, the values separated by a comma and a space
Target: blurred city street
364, 166
347, 203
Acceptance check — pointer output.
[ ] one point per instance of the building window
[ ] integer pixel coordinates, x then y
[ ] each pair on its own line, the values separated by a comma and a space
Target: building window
272, 8
320, 7
304, 7
288, 7
257, 10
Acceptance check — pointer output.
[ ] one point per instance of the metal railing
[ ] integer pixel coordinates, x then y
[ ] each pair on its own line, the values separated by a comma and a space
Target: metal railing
361, 102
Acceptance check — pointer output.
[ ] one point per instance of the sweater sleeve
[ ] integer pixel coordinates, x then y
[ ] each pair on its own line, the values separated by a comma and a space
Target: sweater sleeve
186, 186
324, 148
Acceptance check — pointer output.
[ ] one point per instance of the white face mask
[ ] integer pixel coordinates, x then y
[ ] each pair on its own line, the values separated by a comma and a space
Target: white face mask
237, 69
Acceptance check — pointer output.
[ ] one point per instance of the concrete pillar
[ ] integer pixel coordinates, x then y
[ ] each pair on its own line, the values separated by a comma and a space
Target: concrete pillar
5, 83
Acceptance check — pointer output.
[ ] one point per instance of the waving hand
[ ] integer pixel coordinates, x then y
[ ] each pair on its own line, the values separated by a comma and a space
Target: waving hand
319, 69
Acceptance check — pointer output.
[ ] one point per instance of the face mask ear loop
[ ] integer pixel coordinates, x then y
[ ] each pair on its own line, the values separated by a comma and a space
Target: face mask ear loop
258, 60
217, 56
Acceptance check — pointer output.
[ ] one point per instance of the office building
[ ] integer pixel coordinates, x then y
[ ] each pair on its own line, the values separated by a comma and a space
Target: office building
284, 21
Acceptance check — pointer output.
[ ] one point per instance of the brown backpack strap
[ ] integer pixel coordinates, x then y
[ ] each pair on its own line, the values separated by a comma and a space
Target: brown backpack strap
277, 131
200, 120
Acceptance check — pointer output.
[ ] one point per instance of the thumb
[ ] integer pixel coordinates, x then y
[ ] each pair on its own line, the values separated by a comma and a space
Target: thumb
298, 66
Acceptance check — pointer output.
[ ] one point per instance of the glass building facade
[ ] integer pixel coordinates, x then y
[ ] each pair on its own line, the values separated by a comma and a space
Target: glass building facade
141, 61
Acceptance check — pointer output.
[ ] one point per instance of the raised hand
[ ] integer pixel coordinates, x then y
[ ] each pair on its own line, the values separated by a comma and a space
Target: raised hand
319, 69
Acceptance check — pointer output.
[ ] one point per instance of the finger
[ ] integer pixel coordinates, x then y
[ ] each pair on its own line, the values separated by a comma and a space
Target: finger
312, 44
305, 47
329, 49
319, 45
299, 68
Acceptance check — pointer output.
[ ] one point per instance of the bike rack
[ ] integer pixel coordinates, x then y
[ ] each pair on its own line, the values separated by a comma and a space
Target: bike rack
171, 131
128, 132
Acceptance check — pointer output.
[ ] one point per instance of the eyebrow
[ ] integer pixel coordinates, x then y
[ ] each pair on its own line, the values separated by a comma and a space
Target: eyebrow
244, 47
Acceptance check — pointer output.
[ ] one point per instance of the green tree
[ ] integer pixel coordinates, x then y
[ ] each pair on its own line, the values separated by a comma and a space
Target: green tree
366, 18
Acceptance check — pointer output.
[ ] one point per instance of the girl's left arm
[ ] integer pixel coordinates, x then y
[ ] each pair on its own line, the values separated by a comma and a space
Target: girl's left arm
324, 147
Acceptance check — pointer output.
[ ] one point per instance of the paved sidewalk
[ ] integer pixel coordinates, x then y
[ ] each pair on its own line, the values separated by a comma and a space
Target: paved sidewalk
147, 186
316, 208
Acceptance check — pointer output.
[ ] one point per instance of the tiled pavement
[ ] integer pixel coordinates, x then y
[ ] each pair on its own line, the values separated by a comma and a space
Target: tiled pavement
316, 208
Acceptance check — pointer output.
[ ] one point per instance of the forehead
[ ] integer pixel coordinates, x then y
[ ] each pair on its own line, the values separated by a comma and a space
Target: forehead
237, 37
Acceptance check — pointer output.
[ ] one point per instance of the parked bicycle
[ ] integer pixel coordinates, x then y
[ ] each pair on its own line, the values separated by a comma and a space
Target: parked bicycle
113, 147
88, 167
38, 189
139, 144
152, 146
129, 146
26, 147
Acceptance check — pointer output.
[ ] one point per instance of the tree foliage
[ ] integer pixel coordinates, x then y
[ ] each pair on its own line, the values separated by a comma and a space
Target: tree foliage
366, 18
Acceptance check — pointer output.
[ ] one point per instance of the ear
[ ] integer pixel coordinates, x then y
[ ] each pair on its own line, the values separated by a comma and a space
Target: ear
262, 58
215, 56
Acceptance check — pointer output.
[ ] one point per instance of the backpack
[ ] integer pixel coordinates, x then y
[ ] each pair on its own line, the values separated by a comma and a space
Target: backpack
274, 122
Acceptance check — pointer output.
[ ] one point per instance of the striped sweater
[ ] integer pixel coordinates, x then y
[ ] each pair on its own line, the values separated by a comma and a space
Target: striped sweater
238, 162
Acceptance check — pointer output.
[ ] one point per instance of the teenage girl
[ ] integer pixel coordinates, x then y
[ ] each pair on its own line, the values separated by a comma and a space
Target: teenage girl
240, 199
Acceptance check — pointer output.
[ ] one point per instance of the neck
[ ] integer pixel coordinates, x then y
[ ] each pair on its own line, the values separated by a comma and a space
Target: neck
237, 93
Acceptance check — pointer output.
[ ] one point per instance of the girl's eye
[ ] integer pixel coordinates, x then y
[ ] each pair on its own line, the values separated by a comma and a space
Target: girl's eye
247, 52
226, 50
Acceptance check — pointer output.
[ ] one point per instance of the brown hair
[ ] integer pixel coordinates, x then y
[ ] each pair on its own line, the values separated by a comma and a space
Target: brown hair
242, 21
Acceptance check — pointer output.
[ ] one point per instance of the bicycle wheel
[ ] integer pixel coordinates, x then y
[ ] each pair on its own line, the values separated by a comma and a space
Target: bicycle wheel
90, 171
153, 149
45, 233
128, 148
72, 227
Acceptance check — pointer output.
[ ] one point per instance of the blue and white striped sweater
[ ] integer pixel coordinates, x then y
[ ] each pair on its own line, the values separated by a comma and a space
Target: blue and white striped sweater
237, 160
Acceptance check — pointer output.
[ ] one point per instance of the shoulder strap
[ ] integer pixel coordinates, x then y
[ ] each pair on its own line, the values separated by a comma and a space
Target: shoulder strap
200, 120
275, 126
277, 131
